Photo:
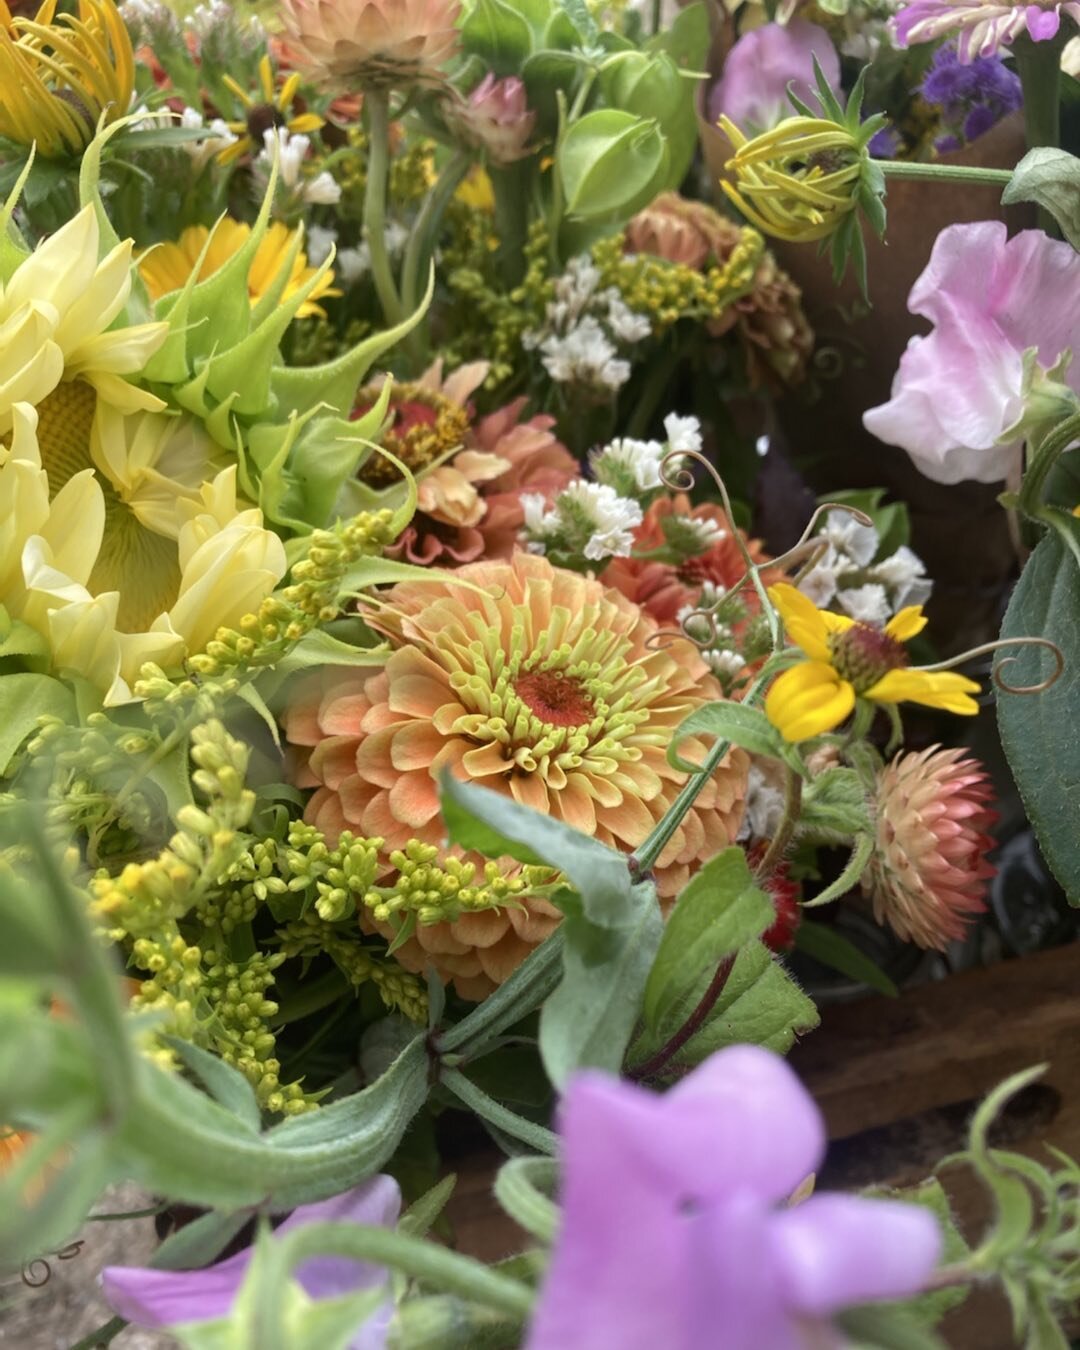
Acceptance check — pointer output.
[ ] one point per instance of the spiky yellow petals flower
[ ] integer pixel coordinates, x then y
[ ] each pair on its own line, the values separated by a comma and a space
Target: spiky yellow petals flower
272, 111
374, 44
60, 73
849, 660
57, 315
929, 870
166, 267
796, 182
116, 548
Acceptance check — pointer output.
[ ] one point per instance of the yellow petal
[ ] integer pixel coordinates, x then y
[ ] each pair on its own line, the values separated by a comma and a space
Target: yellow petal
808, 700
933, 688
806, 625
908, 623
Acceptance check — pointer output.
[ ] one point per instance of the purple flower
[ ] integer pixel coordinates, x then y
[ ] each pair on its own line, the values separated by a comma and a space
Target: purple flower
958, 390
983, 28
675, 1223
165, 1298
753, 88
972, 98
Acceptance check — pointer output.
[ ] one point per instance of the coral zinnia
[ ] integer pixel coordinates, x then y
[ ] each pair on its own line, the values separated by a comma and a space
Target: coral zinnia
544, 689
167, 267
929, 870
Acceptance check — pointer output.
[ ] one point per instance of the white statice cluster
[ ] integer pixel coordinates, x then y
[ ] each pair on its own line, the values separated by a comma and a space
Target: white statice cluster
586, 520
847, 578
628, 465
291, 150
585, 328
764, 807
350, 264
218, 138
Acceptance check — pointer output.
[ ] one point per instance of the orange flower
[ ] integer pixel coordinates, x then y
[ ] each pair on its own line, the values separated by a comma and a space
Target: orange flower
543, 689
664, 590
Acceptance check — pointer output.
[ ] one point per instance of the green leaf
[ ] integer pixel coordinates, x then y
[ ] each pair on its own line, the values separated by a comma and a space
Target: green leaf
609, 163
832, 949
589, 1019
1041, 732
23, 699
930, 1308
729, 721
1050, 178
222, 1081
886, 1327
719, 912
834, 807
498, 34
495, 825
524, 1187
320, 648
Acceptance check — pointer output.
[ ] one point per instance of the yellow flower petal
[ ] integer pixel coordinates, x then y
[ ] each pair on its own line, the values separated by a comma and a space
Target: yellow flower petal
808, 700
806, 625
906, 624
933, 688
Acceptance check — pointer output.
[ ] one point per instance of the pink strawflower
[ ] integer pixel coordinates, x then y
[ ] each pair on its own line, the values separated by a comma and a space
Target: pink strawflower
928, 874
495, 118
753, 88
960, 389
982, 29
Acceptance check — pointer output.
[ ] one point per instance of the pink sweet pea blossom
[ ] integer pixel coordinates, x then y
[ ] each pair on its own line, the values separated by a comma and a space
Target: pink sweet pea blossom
983, 28
166, 1298
753, 88
957, 391
676, 1230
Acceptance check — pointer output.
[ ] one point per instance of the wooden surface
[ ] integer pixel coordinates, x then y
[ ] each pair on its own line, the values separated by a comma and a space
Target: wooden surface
897, 1080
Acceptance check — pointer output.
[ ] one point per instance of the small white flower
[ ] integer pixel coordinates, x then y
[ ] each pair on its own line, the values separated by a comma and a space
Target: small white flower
819, 584
396, 236
322, 190
627, 460
856, 542
626, 324
724, 663
705, 532
585, 355
291, 150
535, 508
353, 263
683, 433
319, 241
613, 518
865, 604
764, 807
905, 576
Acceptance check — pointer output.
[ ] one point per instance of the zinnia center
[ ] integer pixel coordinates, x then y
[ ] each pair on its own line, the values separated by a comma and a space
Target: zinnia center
862, 655
557, 699
141, 565
424, 428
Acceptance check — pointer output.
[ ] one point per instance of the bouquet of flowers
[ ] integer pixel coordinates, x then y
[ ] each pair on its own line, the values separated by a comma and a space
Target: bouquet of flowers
429, 687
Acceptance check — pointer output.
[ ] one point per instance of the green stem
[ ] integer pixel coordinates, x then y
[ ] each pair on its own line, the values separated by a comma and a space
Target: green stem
793, 784
657, 385
957, 173
487, 1108
425, 230
1043, 459
523, 992
426, 1261
1039, 64
375, 206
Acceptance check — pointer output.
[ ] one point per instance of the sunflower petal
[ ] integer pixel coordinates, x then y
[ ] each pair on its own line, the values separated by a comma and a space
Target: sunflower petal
933, 688
806, 625
808, 700
906, 623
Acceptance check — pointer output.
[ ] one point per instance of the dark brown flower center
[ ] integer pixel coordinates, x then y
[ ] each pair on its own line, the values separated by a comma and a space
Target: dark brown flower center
558, 699
263, 118
863, 654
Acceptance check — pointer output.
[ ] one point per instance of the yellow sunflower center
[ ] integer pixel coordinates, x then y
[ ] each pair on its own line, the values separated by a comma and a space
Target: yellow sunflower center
142, 565
862, 655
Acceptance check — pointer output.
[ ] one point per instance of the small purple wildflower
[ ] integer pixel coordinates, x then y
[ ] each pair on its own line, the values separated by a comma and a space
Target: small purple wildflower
973, 97
884, 144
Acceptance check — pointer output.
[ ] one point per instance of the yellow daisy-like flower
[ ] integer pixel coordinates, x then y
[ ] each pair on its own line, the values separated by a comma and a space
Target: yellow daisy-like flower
848, 660
60, 73
274, 110
166, 267
796, 182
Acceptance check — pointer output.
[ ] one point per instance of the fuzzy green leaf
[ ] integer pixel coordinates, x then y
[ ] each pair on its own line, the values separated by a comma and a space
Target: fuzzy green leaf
23, 699
1050, 178
729, 721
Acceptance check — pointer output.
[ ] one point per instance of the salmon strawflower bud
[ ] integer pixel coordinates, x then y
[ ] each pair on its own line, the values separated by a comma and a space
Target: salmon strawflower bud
929, 870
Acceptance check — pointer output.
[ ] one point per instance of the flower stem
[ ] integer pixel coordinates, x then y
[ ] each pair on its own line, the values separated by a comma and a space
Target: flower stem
375, 206
692, 1025
957, 173
1038, 64
487, 1108
421, 244
1043, 459
524, 991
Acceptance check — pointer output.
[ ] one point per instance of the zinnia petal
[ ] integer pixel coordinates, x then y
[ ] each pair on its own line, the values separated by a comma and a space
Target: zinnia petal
808, 700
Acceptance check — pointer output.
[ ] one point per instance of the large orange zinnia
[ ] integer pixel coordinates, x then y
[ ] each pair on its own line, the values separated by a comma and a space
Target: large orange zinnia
542, 688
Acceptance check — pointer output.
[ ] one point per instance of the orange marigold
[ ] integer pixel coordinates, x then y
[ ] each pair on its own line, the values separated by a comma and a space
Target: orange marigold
540, 686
